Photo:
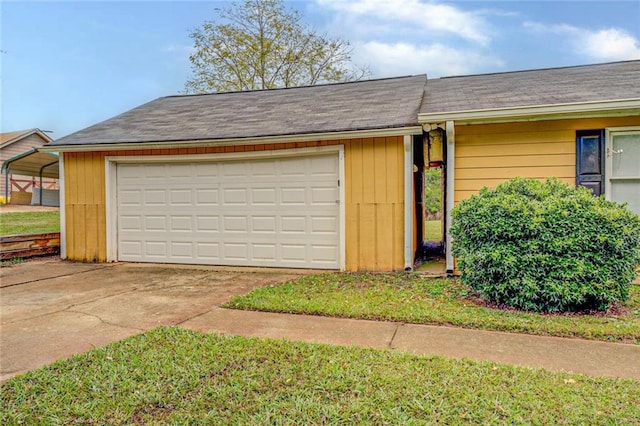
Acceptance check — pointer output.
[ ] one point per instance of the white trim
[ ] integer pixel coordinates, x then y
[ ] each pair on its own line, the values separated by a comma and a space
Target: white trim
310, 137
111, 195
111, 163
343, 206
408, 203
626, 107
450, 167
609, 132
63, 211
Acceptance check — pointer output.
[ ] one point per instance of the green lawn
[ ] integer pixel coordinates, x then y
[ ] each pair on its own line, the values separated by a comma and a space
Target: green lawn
433, 230
414, 299
29, 222
174, 376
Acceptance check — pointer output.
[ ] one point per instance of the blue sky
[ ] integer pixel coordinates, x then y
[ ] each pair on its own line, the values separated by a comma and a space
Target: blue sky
67, 65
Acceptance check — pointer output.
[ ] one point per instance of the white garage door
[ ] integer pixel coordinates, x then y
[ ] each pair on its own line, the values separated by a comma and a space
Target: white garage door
273, 212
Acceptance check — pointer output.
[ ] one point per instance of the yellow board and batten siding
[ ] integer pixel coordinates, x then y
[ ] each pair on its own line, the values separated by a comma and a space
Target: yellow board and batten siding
374, 202
488, 154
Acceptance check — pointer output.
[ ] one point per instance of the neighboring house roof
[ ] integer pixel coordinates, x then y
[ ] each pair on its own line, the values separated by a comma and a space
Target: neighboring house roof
342, 107
8, 138
587, 87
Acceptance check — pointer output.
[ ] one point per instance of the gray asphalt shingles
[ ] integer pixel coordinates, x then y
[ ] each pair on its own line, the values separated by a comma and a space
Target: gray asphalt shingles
373, 104
553, 86
365, 105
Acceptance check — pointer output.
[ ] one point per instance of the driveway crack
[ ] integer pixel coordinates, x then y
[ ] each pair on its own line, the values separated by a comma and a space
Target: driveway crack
73, 305
103, 321
54, 277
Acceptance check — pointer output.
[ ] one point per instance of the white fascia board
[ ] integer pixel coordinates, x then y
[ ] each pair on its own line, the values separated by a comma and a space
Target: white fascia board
626, 107
309, 137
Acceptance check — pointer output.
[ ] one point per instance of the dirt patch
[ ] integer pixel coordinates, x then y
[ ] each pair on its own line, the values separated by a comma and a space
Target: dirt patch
615, 309
15, 208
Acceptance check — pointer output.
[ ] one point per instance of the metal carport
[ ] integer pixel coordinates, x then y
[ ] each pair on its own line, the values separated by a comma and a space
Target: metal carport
32, 163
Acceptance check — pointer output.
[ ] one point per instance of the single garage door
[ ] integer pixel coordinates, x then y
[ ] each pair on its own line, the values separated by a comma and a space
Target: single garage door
267, 212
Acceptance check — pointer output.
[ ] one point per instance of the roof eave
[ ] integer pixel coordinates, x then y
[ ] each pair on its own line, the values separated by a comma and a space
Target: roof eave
307, 137
614, 108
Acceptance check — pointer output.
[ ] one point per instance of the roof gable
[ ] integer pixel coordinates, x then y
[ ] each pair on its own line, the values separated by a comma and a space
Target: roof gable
9, 138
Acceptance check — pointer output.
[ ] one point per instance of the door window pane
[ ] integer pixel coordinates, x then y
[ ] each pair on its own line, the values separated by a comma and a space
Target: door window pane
625, 155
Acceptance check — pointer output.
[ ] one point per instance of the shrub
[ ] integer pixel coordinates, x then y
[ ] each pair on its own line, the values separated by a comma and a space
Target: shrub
546, 246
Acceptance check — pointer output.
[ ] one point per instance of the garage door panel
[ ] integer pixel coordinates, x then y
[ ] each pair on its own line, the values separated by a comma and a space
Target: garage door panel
293, 196
157, 249
207, 224
240, 213
264, 224
293, 224
263, 196
131, 248
235, 196
324, 195
180, 197
209, 170
208, 251
155, 197
324, 253
130, 197
181, 223
324, 224
182, 249
207, 197
264, 252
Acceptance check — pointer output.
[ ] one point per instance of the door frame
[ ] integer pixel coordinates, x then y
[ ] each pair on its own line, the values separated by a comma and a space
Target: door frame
111, 163
609, 133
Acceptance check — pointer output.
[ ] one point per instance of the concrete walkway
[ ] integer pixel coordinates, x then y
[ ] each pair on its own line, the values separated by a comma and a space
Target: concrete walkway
51, 309
553, 353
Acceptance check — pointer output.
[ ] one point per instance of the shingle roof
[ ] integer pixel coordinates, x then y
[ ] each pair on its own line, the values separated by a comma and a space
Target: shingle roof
552, 86
364, 105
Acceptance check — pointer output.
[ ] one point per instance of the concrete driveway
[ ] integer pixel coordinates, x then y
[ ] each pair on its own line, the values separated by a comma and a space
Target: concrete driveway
50, 309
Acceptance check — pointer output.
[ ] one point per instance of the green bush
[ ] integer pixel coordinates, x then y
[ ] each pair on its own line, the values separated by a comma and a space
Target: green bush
546, 246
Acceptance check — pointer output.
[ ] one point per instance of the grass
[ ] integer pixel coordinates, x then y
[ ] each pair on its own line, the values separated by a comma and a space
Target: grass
411, 298
433, 230
29, 222
174, 376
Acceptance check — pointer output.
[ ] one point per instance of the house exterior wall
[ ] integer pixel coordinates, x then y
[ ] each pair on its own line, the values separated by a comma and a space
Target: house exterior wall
488, 154
23, 145
374, 203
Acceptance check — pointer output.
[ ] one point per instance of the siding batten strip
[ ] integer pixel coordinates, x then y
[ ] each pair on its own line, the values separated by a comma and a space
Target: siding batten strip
450, 166
408, 208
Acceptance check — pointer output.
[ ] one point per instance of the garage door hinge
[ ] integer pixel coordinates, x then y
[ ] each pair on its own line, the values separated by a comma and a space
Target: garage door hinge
338, 182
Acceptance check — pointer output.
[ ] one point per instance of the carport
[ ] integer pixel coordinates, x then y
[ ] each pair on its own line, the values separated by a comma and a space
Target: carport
38, 164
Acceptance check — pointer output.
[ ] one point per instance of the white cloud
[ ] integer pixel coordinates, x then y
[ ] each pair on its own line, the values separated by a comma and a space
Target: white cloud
374, 16
610, 44
392, 59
